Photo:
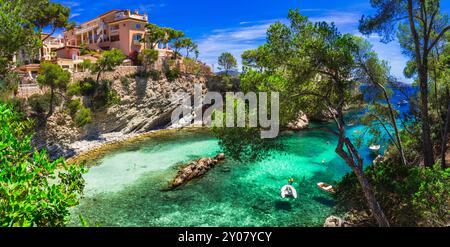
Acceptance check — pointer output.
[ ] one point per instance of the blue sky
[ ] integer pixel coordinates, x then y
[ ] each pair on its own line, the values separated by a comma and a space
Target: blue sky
235, 26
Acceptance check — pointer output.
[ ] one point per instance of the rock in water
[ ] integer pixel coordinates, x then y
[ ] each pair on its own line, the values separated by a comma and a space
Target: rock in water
334, 221
195, 169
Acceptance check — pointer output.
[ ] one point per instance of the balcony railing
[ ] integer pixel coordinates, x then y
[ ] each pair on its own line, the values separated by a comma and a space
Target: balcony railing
86, 29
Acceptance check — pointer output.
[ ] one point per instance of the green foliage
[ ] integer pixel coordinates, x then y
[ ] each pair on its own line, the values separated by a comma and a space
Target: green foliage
86, 64
40, 104
410, 196
125, 81
242, 143
80, 114
112, 98
148, 57
34, 191
86, 87
82, 117
73, 106
108, 61
9, 85
227, 62
172, 74
155, 75
53, 76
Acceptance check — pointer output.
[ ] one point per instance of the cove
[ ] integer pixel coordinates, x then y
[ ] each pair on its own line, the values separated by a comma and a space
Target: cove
126, 187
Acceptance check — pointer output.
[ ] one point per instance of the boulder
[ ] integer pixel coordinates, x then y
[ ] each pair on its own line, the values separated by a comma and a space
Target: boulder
195, 169
334, 221
301, 122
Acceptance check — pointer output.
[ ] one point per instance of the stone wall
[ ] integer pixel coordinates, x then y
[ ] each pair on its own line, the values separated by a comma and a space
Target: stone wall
119, 72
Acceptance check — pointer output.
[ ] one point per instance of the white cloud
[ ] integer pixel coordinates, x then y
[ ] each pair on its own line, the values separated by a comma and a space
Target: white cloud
233, 40
251, 34
74, 15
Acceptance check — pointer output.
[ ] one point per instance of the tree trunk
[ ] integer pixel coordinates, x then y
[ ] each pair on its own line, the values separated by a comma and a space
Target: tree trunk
421, 56
354, 160
426, 132
374, 206
394, 124
358, 170
50, 111
445, 137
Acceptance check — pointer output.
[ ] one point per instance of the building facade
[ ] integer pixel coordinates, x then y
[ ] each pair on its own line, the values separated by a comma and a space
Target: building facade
121, 29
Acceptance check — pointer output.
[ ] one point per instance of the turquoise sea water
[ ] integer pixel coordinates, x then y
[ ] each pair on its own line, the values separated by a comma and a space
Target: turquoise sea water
128, 187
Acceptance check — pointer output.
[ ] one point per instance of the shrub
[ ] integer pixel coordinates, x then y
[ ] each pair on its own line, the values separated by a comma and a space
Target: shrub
125, 81
73, 106
83, 117
40, 104
86, 87
155, 75
172, 74
34, 190
409, 196
112, 98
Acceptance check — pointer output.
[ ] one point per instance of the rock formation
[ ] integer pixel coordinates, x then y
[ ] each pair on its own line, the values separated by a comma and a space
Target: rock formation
301, 122
334, 221
195, 169
145, 105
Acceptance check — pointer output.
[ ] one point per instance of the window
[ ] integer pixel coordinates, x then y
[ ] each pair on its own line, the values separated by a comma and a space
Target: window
113, 28
115, 38
138, 26
137, 37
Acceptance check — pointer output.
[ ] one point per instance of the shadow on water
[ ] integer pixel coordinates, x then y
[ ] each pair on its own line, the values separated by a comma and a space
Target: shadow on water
283, 205
325, 201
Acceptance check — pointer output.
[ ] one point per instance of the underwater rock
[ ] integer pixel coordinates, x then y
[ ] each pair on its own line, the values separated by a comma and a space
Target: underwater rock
195, 169
334, 221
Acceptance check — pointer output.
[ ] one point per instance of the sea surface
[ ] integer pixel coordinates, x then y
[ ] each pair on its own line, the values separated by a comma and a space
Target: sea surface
128, 187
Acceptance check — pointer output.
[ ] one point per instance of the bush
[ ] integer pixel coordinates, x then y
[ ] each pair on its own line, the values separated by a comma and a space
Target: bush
83, 117
155, 75
85, 87
112, 98
40, 103
34, 190
73, 106
172, 74
125, 81
409, 196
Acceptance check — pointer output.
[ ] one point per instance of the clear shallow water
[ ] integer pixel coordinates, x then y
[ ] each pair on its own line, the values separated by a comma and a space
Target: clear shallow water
127, 187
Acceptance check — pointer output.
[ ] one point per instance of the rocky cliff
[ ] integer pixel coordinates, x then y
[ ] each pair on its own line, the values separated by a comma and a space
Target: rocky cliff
145, 105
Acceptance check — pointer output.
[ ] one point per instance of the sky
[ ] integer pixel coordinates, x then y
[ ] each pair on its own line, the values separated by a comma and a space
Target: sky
238, 25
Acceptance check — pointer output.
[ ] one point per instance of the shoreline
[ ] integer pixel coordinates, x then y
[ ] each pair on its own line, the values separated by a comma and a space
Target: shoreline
85, 149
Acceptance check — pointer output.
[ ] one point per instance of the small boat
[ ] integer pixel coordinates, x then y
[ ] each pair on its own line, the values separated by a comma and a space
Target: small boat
374, 147
402, 102
351, 124
288, 191
326, 187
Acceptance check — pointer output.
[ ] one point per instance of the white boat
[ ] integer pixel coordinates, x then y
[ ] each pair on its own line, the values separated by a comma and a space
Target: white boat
326, 187
374, 147
351, 124
288, 191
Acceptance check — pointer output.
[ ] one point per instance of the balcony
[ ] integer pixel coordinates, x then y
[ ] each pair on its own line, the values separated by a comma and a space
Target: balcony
86, 29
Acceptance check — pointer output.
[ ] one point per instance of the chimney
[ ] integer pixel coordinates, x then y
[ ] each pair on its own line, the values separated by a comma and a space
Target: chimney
136, 12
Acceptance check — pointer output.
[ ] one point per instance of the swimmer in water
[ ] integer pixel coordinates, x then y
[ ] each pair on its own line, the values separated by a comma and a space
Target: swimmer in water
323, 161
